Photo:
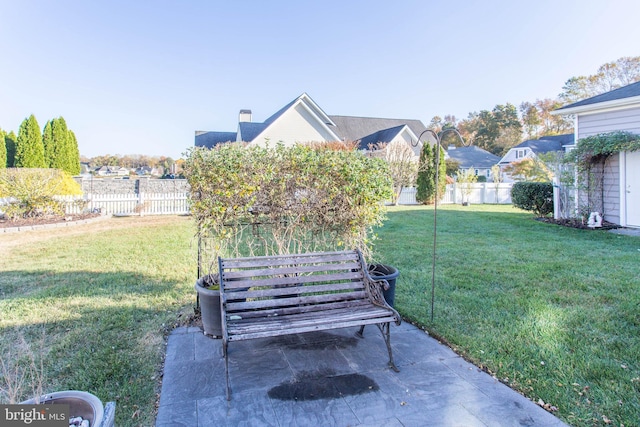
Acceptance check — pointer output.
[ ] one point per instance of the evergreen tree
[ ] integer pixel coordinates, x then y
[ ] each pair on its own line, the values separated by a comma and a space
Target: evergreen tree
47, 142
425, 178
442, 175
60, 138
3, 150
10, 143
73, 163
29, 148
426, 183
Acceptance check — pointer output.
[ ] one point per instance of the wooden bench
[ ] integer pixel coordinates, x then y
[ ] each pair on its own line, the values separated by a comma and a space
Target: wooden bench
270, 296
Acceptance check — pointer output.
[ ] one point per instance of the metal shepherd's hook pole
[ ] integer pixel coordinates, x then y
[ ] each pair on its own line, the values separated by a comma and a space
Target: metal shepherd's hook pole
438, 138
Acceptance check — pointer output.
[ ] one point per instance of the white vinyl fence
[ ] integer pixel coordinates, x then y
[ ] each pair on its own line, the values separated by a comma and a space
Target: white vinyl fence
177, 203
129, 204
480, 193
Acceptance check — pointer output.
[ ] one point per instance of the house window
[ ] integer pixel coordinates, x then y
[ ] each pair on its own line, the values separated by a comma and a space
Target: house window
520, 153
476, 172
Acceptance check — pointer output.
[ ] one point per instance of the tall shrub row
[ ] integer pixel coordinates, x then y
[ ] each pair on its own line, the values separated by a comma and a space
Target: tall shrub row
260, 200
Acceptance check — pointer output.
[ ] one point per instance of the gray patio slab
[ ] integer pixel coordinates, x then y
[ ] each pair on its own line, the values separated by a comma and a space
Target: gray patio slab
333, 378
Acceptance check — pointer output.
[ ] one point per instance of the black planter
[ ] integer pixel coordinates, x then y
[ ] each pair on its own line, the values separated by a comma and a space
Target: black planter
388, 273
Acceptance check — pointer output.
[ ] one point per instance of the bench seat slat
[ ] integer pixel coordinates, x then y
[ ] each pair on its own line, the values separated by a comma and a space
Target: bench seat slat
306, 328
342, 314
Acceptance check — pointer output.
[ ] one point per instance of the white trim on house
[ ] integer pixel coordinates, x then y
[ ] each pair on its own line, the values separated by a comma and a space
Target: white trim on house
307, 104
600, 107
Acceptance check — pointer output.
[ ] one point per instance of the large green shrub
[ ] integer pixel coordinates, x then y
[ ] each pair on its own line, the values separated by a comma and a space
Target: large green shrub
533, 196
32, 192
257, 200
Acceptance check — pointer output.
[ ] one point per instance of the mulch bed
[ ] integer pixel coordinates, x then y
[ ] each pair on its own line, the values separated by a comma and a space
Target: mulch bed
51, 219
577, 223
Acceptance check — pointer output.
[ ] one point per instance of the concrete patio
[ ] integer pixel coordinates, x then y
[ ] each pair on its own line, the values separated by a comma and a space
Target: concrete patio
334, 379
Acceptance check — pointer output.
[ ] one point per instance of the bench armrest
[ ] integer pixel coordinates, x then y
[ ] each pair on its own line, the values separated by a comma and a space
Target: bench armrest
374, 290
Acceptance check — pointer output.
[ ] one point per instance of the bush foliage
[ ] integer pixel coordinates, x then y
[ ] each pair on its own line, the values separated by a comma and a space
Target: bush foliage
536, 197
32, 192
269, 200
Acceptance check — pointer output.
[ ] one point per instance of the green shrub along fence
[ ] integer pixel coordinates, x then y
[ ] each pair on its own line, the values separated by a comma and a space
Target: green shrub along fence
536, 197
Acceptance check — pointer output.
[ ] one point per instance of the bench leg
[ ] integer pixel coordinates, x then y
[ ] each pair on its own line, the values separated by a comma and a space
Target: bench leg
360, 333
226, 366
386, 334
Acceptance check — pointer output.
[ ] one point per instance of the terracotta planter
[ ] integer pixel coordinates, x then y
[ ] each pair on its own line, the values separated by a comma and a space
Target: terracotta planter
81, 404
209, 309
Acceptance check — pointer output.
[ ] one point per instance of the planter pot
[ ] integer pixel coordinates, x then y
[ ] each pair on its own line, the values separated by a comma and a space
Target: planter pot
209, 309
81, 404
390, 274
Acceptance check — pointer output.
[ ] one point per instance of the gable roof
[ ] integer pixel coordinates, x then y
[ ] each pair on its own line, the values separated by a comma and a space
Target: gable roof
625, 95
473, 156
366, 130
211, 139
381, 136
352, 128
547, 143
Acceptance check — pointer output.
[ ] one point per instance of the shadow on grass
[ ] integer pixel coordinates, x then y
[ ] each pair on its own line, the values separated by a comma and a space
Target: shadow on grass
99, 332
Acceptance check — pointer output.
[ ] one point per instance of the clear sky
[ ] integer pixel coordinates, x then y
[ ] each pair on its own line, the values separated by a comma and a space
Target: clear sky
139, 77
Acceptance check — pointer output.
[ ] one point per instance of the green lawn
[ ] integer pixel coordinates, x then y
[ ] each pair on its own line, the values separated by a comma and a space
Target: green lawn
553, 312
103, 295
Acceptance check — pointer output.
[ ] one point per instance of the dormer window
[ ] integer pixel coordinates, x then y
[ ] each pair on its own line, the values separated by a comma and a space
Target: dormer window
520, 154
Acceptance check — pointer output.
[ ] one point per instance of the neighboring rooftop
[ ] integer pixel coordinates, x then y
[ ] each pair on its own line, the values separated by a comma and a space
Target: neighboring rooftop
548, 143
473, 156
628, 91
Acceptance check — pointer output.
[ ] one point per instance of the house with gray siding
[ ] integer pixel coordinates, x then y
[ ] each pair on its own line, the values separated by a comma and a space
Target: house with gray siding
617, 110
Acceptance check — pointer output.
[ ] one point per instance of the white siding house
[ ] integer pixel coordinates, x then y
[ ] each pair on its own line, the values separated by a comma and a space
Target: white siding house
532, 148
617, 110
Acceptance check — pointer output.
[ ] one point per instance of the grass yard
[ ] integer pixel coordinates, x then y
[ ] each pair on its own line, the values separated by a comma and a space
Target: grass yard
93, 302
553, 312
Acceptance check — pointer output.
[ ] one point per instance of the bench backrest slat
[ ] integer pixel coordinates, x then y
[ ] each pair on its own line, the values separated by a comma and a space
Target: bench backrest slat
290, 280
281, 260
233, 274
295, 290
233, 306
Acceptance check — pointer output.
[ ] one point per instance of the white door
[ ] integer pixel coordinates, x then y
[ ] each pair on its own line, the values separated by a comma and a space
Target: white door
632, 188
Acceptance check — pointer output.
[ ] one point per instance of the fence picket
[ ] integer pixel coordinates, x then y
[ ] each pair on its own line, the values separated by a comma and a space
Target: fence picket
481, 192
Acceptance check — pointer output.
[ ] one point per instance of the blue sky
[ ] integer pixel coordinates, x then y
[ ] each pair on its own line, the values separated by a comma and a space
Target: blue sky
139, 77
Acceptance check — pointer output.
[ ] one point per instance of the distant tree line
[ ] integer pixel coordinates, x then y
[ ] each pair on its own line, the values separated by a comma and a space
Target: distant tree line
506, 126
55, 147
133, 161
